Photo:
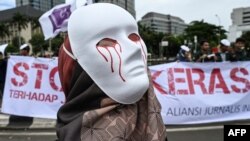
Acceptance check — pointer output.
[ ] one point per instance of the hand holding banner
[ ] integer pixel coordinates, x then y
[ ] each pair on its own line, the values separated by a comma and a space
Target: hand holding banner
189, 93
32, 87
194, 93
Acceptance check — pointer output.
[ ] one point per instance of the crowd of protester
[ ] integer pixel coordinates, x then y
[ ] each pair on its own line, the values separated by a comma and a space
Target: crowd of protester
225, 51
221, 53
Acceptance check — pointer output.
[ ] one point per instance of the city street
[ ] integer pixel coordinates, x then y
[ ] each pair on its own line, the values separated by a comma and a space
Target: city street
203, 132
27, 136
44, 130
39, 130
174, 134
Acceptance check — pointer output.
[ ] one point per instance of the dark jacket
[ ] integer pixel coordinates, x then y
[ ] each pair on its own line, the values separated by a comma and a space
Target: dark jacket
228, 57
241, 56
206, 59
3, 68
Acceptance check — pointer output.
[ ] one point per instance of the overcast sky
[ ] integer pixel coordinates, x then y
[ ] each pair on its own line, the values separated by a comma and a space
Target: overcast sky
5, 4
188, 10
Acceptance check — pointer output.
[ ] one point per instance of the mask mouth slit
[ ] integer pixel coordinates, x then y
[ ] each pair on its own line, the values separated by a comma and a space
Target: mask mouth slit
143, 53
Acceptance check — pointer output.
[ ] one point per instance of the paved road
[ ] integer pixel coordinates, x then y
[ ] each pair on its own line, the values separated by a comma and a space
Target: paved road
203, 132
27, 138
187, 134
44, 130
175, 133
196, 134
27, 135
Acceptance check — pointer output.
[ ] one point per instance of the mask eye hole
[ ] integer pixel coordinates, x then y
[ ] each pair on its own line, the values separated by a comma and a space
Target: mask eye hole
134, 37
107, 42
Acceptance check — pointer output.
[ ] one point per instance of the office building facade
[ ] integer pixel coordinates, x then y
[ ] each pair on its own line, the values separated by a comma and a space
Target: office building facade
240, 23
43, 5
129, 5
241, 16
166, 24
25, 33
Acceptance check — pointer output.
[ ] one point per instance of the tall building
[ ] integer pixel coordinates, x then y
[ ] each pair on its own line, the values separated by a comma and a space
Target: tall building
164, 23
129, 5
241, 16
26, 33
43, 5
240, 23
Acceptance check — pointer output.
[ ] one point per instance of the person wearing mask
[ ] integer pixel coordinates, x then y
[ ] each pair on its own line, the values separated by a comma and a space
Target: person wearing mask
14, 119
108, 88
24, 50
184, 54
225, 51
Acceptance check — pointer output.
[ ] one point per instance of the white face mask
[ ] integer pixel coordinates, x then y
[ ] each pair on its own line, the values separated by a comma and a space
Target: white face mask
105, 41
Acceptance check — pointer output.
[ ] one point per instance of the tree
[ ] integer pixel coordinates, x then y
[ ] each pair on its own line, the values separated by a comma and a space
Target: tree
21, 21
38, 43
34, 23
12, 49
16, 40
174, 45
204, 31
151, 38
4, 30
56, 43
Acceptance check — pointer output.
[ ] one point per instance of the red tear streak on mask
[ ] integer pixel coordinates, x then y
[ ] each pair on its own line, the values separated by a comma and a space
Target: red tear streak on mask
144, 53
111, 57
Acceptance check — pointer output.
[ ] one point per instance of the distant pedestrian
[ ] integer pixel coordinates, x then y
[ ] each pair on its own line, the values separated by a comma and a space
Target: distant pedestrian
205, 54
239, 50
15, 119
25, 50
184, 54
226, 53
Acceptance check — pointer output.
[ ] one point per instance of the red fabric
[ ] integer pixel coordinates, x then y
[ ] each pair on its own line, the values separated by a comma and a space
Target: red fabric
66, 66
215, 50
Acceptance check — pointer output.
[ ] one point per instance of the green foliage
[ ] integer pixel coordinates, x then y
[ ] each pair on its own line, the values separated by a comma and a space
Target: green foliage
11, 49
20, 20
174, 45
4, 30
34, 23
15, 41
56, 43
204, 31
38, 43
152, 39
